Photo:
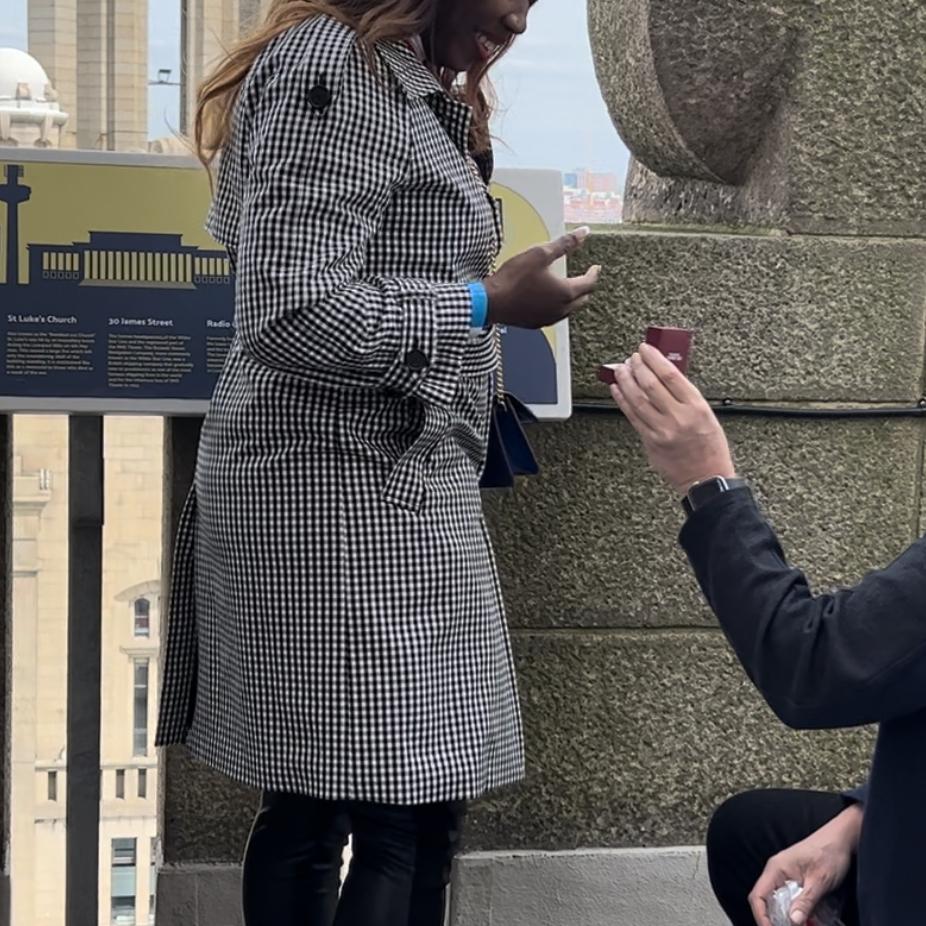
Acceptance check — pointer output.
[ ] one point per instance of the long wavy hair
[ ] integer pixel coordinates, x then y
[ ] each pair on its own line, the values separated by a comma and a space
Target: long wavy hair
374, 21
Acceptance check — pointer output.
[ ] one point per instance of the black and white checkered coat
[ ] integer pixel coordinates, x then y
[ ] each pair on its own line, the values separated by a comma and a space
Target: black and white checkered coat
336, 627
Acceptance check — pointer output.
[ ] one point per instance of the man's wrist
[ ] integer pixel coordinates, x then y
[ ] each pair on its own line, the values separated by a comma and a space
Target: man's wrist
723, 472
850, 824
844, 830
703, 492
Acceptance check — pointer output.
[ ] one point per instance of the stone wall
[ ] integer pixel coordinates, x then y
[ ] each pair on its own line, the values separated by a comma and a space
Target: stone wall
777, 203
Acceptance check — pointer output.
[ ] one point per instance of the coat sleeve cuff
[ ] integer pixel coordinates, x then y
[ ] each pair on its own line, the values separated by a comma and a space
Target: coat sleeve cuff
434, 335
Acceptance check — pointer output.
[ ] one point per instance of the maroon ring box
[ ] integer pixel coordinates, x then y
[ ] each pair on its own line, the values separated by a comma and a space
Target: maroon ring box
606, 373
674, 343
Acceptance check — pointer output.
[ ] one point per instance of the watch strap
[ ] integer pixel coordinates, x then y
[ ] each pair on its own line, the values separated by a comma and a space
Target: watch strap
708, 489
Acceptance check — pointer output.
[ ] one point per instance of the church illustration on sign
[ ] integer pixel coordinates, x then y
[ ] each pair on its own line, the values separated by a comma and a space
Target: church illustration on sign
120, 315
116, 261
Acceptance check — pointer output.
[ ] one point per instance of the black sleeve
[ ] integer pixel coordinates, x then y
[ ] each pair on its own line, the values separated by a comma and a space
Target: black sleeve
847, 659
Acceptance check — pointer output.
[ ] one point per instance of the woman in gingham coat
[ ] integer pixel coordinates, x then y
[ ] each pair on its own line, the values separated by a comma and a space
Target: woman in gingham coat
336, 636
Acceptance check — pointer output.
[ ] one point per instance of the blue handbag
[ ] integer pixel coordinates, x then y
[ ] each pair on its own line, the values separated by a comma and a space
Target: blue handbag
509, 452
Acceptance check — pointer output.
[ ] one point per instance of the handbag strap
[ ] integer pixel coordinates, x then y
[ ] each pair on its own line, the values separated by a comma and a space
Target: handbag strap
499, 367
499, 354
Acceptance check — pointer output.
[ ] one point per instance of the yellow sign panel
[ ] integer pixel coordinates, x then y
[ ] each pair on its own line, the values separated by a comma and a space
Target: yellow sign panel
536, 364
115, 298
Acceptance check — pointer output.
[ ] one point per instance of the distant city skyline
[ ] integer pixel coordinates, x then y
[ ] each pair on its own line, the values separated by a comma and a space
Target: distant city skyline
551, 112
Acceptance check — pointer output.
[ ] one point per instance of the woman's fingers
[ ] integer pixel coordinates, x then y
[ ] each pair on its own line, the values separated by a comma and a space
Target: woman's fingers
584, 285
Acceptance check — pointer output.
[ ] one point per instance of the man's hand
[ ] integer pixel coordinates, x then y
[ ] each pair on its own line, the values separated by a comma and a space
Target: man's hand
681, 435
819, 863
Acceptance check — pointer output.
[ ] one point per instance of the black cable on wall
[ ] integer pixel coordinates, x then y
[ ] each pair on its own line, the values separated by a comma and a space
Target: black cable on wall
732, 409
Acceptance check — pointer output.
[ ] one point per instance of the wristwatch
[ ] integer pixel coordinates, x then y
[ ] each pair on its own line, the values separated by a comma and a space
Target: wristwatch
708, 489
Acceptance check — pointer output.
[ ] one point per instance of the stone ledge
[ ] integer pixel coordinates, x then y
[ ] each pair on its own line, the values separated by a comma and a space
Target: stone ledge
778, 318
597, 887
199, 895
193, 833
645, 887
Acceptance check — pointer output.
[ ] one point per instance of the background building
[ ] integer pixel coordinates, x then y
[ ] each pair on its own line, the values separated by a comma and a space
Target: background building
85, 85
30, 114
207, 27
96, 53
131, 616
592, 197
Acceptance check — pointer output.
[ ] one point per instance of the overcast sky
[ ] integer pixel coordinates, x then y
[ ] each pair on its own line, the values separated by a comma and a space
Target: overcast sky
552, 112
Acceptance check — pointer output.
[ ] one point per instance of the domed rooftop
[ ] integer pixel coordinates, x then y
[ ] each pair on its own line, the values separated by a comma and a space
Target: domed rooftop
25, 91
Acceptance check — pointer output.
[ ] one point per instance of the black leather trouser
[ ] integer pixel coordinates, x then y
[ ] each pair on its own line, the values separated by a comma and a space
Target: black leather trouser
400, 863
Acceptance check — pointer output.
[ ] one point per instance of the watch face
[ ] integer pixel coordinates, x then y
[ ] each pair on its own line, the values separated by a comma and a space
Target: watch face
705, 491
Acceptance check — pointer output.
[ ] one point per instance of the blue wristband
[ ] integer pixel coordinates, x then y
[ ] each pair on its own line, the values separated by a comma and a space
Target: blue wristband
480, 304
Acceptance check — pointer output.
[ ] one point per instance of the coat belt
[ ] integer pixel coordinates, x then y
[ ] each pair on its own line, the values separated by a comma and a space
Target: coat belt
406, 485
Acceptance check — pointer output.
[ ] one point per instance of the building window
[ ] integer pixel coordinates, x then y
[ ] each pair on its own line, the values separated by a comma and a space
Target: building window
140, 722
53, 786
120, 783
143, 783
154, 879
124, 868
142, 617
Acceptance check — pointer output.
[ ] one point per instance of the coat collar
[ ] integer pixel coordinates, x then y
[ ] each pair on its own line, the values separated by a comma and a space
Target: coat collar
417, 82
410, 71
